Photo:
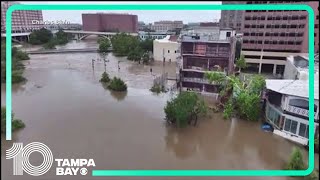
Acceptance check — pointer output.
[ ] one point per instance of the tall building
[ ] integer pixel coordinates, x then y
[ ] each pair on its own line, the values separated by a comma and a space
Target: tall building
270, 36
205, 52
166, 25
22, 21
102, 22
231, 19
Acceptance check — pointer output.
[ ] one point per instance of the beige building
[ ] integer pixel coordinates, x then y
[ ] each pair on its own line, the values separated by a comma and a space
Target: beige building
166, 50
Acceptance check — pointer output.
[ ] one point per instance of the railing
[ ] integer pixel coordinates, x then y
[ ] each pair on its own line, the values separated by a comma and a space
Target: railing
296, 110
195, 80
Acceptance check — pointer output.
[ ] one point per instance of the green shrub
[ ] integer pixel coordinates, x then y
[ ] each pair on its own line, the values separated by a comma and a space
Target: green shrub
296, 160
16, 123
17, 77
156, 88
105, 78
116, 84
228, 110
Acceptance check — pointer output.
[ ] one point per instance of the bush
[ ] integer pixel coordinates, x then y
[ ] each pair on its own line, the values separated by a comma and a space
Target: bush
105, 78
185, 108
16, 123
40, 36
117, 84
228, 110
296, 160
17, 77
156, 88
50, 45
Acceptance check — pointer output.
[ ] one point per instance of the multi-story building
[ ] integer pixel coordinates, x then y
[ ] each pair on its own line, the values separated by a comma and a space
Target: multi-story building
110, 22
209, 24
165, 26
201, 53
270, 36
166, 50
287, 108
231, 18
71, 26
22, 21
297, 67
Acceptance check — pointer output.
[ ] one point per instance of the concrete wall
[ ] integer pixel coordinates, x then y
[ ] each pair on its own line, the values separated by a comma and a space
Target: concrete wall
160, 51
290, 71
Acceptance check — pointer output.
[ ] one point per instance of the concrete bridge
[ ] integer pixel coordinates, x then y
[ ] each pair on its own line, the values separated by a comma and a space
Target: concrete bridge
54, 51
79, 35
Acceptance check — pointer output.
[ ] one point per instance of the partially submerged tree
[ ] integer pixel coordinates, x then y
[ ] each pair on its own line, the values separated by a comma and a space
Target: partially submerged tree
105, 78
117, 84
185, 109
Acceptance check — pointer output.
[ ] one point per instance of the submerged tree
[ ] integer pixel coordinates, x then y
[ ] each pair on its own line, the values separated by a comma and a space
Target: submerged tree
105, 78
185, 109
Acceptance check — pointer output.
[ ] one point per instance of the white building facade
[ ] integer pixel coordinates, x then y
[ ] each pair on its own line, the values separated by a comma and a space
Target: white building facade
166, 50
287, 109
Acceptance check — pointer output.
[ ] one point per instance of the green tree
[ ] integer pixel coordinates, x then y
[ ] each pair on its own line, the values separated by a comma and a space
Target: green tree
105, 78
16, 123
61, 37
246, 95
147, 45
123, 44
145, 58
50, 45
40, 36
117, 84
135, 54
241, 62
184, 109
104, 45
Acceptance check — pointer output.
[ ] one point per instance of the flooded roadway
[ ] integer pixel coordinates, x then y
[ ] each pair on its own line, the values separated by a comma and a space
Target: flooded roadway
64, 106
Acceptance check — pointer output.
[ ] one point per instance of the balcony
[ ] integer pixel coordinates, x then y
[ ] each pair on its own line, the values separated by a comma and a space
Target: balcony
196, 80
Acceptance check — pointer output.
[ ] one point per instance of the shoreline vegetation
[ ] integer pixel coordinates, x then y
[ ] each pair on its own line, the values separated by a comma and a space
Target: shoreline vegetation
16, 123
17, 65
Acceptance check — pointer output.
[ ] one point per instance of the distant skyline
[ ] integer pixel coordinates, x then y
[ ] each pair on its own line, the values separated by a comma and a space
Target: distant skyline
143, 15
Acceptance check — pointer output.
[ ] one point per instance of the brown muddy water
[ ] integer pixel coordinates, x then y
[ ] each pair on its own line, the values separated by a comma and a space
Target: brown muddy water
64, 106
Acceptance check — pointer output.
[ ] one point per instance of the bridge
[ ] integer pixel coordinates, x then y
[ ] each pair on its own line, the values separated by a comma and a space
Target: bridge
79, 35
53, 51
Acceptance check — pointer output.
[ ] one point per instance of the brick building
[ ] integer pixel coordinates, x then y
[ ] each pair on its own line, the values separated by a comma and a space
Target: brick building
165, 26
22, 21
270, 36
231, 19
200, 53
102, 22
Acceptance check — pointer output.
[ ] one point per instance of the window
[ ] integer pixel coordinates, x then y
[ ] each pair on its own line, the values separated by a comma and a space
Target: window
277, 26
267, 34
247, 18
293, 26
276, 34
175, 51
253, 34
168, 51
228, 34
304, 130
246, 34
285, 17
259, 42
290, 126
273, 116
266, 42
247, 26
278, 18
263, 17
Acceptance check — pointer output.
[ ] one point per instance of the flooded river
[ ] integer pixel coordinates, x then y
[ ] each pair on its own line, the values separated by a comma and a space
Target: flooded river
64, 106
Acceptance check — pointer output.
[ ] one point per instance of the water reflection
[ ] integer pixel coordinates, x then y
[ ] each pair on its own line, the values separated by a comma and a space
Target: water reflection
118, 95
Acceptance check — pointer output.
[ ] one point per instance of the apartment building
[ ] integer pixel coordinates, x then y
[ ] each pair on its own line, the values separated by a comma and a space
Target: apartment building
166, 49
22, 21
164, 26
205, 52
110, 22
270, 36
231, 19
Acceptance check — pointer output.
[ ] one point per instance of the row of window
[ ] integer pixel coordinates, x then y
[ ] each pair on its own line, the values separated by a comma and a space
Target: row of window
294, 127
272, 42
272, 10
274, 34
274, 2
275, 17
277, 26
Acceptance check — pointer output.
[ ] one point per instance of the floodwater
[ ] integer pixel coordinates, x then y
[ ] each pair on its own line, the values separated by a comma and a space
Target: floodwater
64, 106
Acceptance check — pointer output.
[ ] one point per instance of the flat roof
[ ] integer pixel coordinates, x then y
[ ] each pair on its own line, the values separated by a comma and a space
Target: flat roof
298, 88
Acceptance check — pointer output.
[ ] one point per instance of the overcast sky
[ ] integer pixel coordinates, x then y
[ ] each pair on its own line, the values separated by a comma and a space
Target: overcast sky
146, 16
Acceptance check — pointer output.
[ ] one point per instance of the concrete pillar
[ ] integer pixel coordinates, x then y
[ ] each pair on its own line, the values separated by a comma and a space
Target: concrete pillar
260, 66
274, 69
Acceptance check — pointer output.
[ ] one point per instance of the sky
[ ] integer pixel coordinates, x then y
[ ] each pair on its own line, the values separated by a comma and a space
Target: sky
146, 16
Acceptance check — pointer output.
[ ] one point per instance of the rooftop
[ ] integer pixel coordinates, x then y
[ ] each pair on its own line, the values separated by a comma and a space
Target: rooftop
168, 39
301, 62
298, 88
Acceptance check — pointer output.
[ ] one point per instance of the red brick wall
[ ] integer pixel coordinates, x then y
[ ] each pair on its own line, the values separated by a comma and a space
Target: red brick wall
110, 22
